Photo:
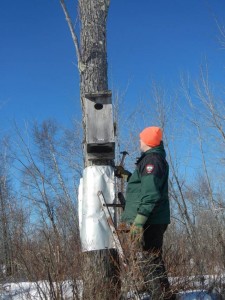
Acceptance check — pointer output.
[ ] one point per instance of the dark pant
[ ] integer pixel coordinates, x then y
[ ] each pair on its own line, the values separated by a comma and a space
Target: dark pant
151, 262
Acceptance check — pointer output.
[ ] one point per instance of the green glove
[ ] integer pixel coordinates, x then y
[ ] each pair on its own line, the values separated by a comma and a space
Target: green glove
120, 172
136, 233
140, 220
136, 230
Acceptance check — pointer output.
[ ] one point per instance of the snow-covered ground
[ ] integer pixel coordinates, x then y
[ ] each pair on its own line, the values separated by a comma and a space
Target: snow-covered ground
40, 290
32, 291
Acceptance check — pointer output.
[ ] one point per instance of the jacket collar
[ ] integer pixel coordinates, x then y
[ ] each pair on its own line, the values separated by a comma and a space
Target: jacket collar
159, 149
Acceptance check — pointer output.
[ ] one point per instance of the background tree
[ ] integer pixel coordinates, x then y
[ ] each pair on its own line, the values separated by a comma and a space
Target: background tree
6, 216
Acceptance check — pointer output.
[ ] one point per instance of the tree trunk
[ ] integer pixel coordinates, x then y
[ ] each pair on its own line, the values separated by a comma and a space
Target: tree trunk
93, 15
5, 228
93, 54
93, 79
100, 267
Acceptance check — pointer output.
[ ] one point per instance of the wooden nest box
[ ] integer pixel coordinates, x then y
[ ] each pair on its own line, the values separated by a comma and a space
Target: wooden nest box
99, 126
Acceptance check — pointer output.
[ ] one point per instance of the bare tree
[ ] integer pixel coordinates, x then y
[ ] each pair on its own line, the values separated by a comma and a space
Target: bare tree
6, 197
6, 261
92, 65
47, 248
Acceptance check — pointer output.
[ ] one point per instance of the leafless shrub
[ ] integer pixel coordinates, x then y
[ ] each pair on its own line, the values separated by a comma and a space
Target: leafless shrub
47, 249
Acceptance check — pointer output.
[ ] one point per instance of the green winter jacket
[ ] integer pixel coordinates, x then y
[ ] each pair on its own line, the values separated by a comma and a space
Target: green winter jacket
147, 189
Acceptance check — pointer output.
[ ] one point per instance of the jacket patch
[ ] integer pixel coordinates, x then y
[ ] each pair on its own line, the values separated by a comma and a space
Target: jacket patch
149, 169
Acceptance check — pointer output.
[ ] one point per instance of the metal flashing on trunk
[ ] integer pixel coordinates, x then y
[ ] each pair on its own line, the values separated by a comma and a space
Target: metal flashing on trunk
95, 233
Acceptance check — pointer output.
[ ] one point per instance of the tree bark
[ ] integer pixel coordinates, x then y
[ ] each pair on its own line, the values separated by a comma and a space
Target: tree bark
5, 228
93, 16
100, 274
93, 79
100, 267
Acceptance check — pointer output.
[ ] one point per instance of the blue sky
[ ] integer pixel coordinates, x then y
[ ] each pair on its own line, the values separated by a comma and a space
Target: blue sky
147, 39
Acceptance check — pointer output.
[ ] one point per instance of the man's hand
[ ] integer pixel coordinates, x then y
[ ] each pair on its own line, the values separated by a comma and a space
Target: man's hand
136, 233
120, 172
137, 230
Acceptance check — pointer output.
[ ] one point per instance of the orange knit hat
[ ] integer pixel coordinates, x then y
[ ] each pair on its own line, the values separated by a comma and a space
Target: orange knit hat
151, 136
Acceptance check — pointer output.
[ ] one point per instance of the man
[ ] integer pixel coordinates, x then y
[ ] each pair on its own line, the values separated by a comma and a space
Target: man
147, 210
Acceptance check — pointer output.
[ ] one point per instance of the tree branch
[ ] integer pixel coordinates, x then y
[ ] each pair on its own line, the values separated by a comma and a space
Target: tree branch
81, 65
